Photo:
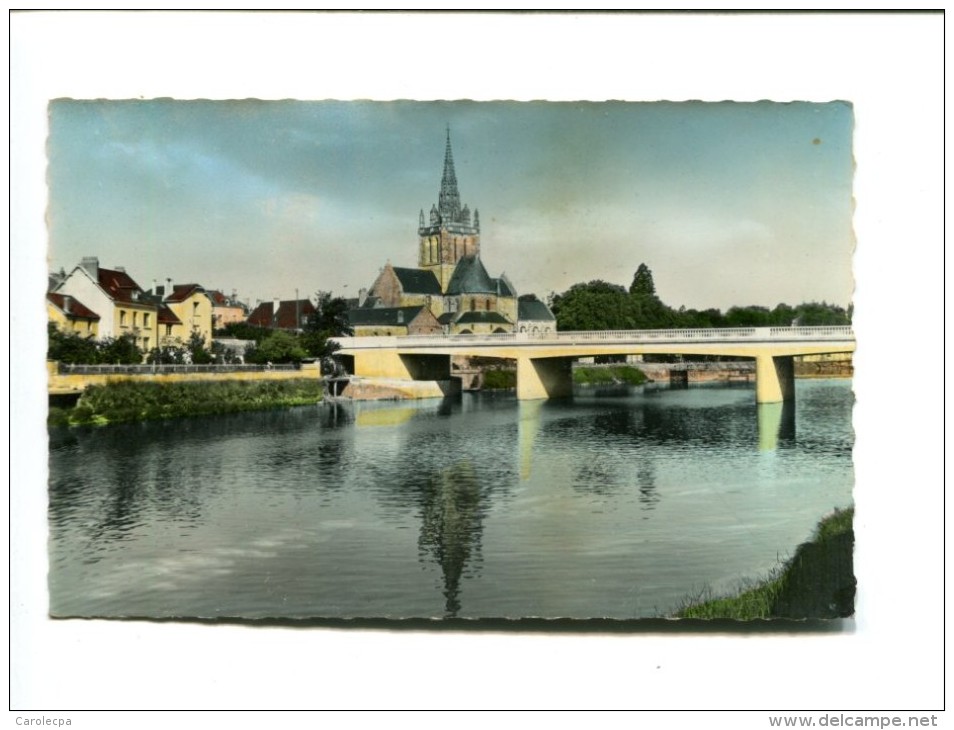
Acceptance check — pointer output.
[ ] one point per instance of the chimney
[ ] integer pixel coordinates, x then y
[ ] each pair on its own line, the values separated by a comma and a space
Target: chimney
155, 288
91, 264
168, 289
276, 303
66, 303
120, 268
362, 296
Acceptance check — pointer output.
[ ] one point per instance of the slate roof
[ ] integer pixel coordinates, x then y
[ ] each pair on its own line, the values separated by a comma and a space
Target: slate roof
483, 318
383, 316
470, 277
503, 287
535, 311
417, 281
71, 306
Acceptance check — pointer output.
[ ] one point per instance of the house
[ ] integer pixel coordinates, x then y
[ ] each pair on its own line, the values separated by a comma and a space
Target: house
193, 308
124, 309
291, 315
225, 310
70, 315
382, 321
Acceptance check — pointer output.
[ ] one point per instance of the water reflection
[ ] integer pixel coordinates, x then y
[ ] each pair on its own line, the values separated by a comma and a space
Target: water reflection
776, 424
451, 526
527, 428
475, 506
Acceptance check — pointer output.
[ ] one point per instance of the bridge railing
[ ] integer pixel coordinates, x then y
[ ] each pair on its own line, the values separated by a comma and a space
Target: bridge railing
730, 334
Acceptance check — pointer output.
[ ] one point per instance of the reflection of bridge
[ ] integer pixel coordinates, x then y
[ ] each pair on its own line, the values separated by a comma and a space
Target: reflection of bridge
544, 360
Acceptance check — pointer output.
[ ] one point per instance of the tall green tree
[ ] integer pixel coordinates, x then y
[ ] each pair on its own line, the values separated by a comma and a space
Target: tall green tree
330, 319
643, 284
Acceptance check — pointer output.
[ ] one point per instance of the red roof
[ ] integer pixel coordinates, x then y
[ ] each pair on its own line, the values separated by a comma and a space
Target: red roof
181, 292
166, 315
284, 319
71, 306
120, 286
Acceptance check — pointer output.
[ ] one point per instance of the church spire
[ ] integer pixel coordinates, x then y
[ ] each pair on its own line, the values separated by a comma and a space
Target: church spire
448, 201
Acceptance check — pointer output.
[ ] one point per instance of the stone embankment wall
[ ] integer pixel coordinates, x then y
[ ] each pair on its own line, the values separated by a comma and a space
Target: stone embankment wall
67, 383
810, 366
838, 365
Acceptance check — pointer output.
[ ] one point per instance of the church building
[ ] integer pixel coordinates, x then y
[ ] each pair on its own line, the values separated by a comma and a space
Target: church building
450, 279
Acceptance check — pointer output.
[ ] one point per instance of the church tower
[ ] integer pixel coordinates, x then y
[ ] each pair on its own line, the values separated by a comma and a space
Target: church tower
449, 234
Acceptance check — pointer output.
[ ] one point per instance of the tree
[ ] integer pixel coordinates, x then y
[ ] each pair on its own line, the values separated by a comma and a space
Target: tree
70, 347
330, 319
596, 305
166, 355
197, 351
279, 347
814, 314
120, 351
643, 284
243, 331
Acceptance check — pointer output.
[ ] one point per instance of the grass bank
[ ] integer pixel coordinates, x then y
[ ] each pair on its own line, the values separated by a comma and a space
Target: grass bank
127, 401
499, 380
818, 582
609, 375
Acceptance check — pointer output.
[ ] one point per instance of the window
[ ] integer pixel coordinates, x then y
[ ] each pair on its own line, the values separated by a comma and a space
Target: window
145, 319
122, 317
145, 343
135, 319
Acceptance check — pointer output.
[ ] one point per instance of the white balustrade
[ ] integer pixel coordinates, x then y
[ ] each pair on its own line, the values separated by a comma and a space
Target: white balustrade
722, 335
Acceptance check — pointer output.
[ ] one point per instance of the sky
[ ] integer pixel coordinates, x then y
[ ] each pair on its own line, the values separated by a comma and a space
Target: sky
727, 203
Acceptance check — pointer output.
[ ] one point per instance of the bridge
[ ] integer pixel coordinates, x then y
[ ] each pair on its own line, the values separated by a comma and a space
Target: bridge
544, 360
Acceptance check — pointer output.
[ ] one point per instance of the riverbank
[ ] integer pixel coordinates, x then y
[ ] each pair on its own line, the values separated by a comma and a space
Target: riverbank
128, 401
818, 582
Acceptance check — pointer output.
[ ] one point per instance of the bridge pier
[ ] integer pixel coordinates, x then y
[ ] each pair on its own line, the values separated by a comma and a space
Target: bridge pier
774, 379
545, 377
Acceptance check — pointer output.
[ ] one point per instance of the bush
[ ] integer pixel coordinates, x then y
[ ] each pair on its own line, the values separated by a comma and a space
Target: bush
500, 379
128, 401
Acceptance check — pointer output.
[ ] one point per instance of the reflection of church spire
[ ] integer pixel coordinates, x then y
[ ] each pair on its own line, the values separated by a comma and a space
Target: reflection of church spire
448, 201
451, 525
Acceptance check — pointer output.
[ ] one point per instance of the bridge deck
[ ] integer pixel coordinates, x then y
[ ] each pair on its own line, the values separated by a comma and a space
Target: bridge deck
742, 341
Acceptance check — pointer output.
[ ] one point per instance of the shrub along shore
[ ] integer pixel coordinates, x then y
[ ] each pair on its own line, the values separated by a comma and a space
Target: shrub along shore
818, 582
128, 401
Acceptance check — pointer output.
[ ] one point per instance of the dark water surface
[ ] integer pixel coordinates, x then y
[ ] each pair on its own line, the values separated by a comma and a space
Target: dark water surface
615, 504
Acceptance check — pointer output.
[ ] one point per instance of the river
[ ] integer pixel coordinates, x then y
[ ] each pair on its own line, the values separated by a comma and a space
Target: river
619, 503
